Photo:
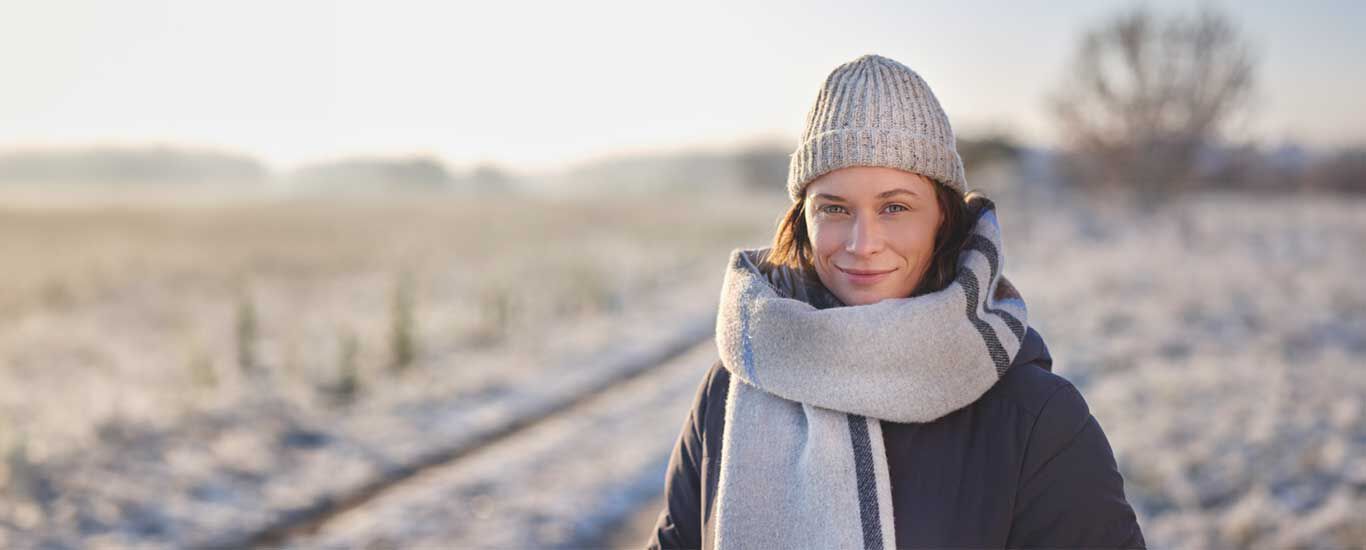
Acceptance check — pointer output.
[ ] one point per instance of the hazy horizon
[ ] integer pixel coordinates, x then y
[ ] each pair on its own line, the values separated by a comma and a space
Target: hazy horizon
540, 88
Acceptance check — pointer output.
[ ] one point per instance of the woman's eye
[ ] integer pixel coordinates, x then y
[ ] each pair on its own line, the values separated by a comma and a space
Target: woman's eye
890, 207
830, 208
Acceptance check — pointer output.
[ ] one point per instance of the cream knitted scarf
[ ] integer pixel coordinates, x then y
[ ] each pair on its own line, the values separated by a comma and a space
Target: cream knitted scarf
802, 460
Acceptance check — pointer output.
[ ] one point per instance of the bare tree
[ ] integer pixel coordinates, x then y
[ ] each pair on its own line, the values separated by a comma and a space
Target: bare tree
1145, 95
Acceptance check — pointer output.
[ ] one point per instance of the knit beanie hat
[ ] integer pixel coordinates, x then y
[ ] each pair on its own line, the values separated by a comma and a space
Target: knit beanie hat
874, 111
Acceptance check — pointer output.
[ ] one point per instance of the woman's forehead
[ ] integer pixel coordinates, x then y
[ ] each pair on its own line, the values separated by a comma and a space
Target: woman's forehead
867, 182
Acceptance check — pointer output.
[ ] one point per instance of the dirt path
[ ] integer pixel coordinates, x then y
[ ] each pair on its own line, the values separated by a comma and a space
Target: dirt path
567, 482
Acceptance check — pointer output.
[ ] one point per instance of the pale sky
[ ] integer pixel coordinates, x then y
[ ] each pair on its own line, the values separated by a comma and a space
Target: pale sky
533, 86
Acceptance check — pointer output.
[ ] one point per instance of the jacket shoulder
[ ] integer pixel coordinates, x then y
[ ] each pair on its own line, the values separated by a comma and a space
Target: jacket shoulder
716, 381
1031, 384
1071, 493
1035, 389
688, 487
711, 397
1056, 407
1053, 410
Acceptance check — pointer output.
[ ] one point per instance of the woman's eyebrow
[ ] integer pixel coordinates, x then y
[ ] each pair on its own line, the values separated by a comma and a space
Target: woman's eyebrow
882, 195
897, 191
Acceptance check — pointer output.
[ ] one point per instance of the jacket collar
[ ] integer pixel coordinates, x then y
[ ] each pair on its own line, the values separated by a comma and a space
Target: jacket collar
1033, 350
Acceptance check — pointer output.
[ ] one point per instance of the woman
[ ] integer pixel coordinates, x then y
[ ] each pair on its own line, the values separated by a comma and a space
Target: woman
878, 384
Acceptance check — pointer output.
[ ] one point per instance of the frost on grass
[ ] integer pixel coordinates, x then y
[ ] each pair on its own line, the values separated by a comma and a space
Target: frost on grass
1220, 344
194, 369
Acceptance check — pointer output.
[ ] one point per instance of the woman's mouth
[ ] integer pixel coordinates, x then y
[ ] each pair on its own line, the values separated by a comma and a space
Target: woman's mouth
864, 276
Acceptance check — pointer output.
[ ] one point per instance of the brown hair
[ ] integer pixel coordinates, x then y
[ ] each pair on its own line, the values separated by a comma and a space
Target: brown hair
792, 244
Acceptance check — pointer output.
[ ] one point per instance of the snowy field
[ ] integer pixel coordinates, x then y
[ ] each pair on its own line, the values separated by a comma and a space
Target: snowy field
175, 372
1222, 345
561, 485
140, 315
163, 369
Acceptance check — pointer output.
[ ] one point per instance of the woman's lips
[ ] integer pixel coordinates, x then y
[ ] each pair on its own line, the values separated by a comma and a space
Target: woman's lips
863, 276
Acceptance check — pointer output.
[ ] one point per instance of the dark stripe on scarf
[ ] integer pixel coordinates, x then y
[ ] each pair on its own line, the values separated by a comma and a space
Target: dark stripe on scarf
968, 279
867, 482
981, 244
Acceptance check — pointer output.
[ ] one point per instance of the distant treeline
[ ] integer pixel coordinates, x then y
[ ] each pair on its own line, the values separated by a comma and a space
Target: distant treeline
416, 173
1247, 167
1287, 167
758, 167
762, 167
132, 165
185, 166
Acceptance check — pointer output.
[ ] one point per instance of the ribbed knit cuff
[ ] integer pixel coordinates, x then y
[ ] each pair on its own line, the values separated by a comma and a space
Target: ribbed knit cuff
888, 147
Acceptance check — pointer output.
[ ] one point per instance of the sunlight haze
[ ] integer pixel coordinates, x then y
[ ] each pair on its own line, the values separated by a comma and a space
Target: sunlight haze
533, 86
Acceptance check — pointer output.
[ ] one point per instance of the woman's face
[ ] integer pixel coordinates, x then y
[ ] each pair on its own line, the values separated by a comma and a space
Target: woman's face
872, 230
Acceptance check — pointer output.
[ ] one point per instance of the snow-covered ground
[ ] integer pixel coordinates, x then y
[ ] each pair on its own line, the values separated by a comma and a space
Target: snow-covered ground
1220, 342
139, 315
112, 437
215, 479
562, 484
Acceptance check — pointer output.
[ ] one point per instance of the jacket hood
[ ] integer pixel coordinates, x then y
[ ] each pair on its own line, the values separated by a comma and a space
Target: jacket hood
1033, 350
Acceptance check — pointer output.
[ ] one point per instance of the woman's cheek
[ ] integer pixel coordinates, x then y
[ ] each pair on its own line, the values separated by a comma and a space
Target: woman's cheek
820, 237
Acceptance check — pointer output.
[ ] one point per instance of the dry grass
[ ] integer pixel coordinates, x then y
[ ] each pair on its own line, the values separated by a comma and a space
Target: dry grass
112, 312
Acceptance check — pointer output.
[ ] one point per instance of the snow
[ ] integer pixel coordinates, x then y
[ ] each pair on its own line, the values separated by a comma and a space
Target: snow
1219, 343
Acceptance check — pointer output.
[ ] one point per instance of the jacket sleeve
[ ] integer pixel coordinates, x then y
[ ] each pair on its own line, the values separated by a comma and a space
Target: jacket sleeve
1071, 494
680, 523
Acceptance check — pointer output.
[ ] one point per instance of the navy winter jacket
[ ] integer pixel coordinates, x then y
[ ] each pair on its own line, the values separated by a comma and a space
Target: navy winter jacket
1024, 466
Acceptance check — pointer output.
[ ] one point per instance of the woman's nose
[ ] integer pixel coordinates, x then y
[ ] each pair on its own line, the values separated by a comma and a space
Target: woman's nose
864, 238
